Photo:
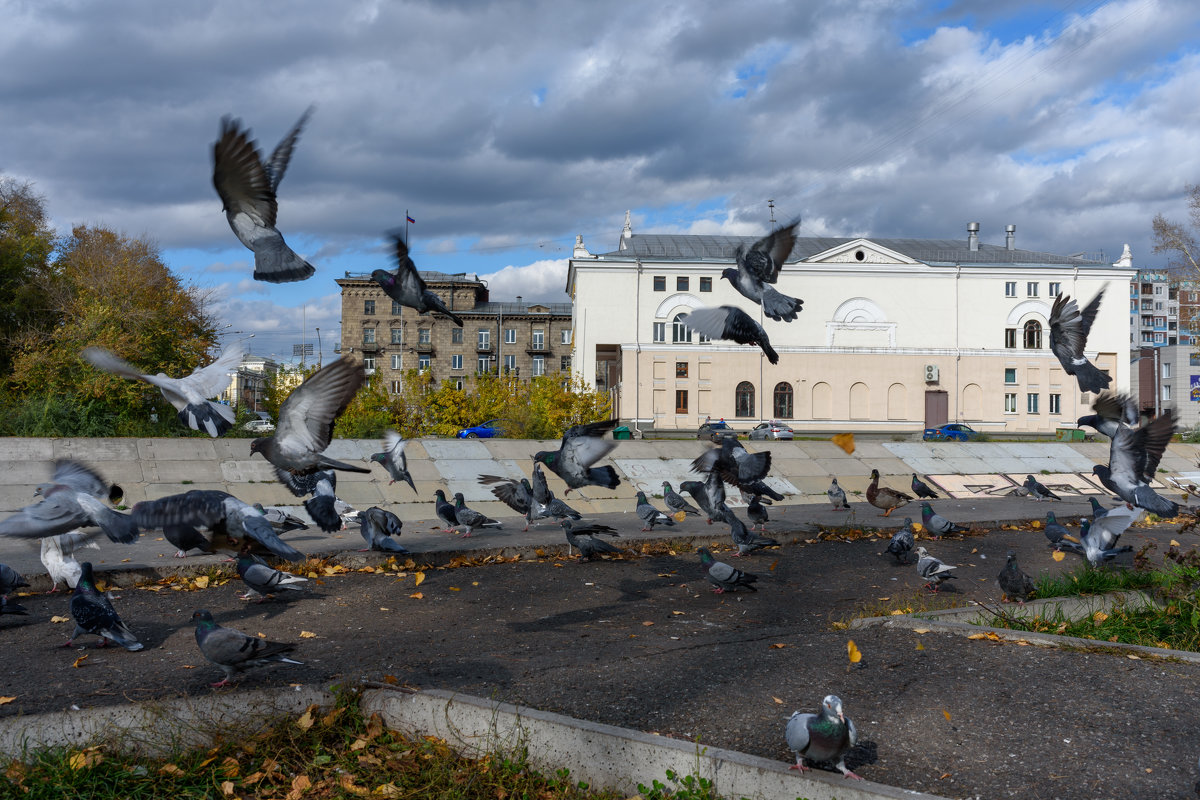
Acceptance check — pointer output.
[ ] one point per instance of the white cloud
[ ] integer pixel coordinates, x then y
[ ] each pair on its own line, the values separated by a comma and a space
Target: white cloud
543, 281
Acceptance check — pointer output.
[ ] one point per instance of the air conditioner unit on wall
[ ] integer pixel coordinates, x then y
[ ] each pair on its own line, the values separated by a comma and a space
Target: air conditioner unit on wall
931, 373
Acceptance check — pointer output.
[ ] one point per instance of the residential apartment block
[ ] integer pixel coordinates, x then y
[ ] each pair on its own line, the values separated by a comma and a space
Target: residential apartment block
1164, 308
248, 385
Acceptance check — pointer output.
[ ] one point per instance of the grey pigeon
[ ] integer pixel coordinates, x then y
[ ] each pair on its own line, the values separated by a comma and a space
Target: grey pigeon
1094, 547
219, 512
306, 420
936, 525
1133, 457
1037, 490
933, 570
747, 541
406, 287
58, 557
469, 518
188, 394
675, 502
1014, 583
1112, 411
262, 580
234, 651
761, 489
733, 463
1097, 509
902, 542
757, 512
758, 268
724, 577
281, 520
732, 324
837, 496
75, 499
1069, 330
325, 507
557, 509
186, 537
539, 490
581, 447
378, 528
514, 494
699, 492
649, 515
247, 189
824, 737
445, 511
10, 580
583, 538
94, 614
1054, 530
393, 459
1103, 533
921, 489
11, 607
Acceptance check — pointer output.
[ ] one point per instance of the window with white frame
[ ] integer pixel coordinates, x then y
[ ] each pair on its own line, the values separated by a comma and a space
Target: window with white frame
510, 363
539, 339
396, 363
1010, 374
539, 365
368, 336
1010, 288
660, 331
1166, 392
422, 335
456, 361
1159, 338
1031, 403
1010, 402
485, 338
510, 335
566, 336
1158, 289
369, 363
423, 362
1056, 404
394, 387
456, 335
484, 364
1166, 370
1031, 289
680, 332
1055, 289
396, 308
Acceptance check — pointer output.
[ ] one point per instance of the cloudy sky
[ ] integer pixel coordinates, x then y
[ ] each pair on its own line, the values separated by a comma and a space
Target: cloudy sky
506, 128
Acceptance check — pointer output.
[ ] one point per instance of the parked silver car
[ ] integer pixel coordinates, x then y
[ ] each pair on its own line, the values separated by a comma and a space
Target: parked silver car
774, 429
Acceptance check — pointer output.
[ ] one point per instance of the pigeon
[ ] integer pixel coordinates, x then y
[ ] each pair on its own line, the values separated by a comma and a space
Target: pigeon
732, 324
11, 607
325, 507
885, 498
933, 570
514, 494
1092, 545
557, 509
220, 512
937, 525
73, 500
1038, 491
1133, 457
747, 541
378, 528
186, 394
247, 189
539, 490
1068, 337
761, 489
1097, 509
1055, 531
921, 489
759, 266
902, 542
281, 520
757, 512
583, 538
186, 537
393, 459
58, 557
675, 501
837, 496
649, 515
94, 614
1106, 530
234, 651
445, 511
1112, 411
469, 518
306, 420
11, 580
699, 492
724, 577
1013, 582
826, 736
406, 287
581, 447
262, 580
733, 463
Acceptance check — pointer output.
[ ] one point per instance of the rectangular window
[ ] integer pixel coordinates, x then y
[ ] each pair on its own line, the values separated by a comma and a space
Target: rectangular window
484, 364
566, 336
397, 336
456, 361
1031, 403
1010, 338
1010, 288
539, 340
706, 284
1158, 305
681, 369
1147, 321
423, 362
396, 309
368, 336
1010, 402
1147, 305
368, 307
1010, 374
485, 339
681, 284
681, 401
458, 384
565, 364
1159, 338
1055, 289
396, 361
394, 387
422, 335
1160, 322
369, 363
1166, 369
539, 365
1166, 392
1147, 336
510, 335
1031, 289
1158, 289
510, 363
456, 335
660, 283
660, 331
1056, 404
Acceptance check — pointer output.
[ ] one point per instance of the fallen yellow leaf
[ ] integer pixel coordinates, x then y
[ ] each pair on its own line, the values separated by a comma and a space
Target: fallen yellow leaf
920, 630
79, 661
680, 516
677, 613
778, 646
227, 788
85, 758
1035, 524
1174, 543
855, 653
647, 623
170, 769
300, 784
201, 582
1058, 555
977, 636
947, 714
844, 441
6, 700
1099, 616
455, 589
1135, 658
920, 646
60, 619
420, 577
307, 635
417, 595
306, 719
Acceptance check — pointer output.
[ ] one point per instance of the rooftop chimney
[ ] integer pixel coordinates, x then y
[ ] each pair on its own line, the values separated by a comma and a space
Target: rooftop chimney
972, 236
1010, 237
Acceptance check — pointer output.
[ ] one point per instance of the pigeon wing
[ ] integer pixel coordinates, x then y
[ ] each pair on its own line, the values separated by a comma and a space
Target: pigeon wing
1153, 438
210, 381
411, 283
102, 359
1089, 313
199, 508
709, 321
282, 154
307, 416
239, 177
767, 255
583, 444
513, 495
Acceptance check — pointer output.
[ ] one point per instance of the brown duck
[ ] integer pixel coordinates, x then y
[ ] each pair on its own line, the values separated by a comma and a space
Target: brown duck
884, 498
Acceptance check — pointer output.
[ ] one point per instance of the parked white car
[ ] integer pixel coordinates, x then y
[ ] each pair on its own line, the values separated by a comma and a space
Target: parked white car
263, 426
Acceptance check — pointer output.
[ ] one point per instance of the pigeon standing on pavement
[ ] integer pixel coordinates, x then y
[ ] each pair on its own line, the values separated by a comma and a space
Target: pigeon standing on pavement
406, 286
583, 538
445, 511
469, 518
933, 570
747, 541
1013, 582
758, 512
11, 580
921, 489
902, 542
325, 507
826, 736
247, 190
758, 268
731, 324
1037, 490
261, 579
378, 527
94, 614
393, 459
937, 525
234, 651
675, 501
724, 577
188, 394
581, 447
1069, 330
1055, 531
75, 499
58, 557
837, 496
649, 515
699, 492
219, 512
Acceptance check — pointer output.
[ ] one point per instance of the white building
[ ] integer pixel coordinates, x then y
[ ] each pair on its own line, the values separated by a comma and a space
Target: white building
895, 334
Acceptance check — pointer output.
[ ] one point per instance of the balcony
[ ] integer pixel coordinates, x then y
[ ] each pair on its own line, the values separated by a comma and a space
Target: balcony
538, 349
423, 347
483, 347
370, 347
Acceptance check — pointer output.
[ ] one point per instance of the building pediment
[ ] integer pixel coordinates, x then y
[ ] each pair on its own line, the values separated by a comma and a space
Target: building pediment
859, 251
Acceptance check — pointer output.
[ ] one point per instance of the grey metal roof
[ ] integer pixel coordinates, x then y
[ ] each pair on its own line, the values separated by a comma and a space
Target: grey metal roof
560, 309
691, 247
429, 276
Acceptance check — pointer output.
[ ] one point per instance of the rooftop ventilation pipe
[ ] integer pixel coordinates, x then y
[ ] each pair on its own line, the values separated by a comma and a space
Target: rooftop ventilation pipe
972, 236
1010, 237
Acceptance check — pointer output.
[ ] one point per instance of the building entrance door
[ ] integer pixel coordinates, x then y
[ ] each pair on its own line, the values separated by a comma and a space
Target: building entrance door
937, 409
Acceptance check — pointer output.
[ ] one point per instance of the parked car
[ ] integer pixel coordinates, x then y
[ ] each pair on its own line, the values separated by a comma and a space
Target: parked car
713, 431
772, 430
263, 426
485, 430
952, 432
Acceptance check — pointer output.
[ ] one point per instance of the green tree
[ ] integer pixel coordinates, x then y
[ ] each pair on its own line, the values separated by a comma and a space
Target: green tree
26, 242
280, 384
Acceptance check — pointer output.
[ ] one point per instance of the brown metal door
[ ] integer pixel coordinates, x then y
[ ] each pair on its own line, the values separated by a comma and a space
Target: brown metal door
937, 409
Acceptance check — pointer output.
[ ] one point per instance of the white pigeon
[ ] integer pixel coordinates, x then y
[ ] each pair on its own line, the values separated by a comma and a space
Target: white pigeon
58, 556
933, 570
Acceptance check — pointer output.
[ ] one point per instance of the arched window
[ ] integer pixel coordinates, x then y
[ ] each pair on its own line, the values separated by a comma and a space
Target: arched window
783, 400
1033, 335
743, 400
680, 332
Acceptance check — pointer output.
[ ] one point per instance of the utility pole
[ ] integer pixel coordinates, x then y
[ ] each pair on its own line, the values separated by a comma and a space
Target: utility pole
771, 205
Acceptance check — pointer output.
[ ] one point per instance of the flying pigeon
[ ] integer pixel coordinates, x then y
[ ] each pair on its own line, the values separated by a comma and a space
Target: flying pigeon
1013, 582
761, 489
514, 494
1055, 531
733, 463
378, 528
1112, 411
1037, 490
1091, 546
58, 557
724, 577
675, 501
1133, 457
759, 266
234, 651
1068, 337
921, 489
539, 489
262, 580
11, 580
699, 490
281, 520
732, 324
306, 420
583, 538
1105, 531
94, 614
837, 496
581, 447
393, 459
937, 525
902, 542
325, 507
73, 500
406, 287
445, 511
186, 394
219, 512
757, 512
649, 515
469, 518
247, 189
933, 570
747, 541
826, 736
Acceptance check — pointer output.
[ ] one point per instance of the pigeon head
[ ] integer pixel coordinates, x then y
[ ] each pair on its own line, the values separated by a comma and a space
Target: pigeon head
922, 552
440, 495
641, 497
86, 579
1012, 557
831, 706
203, 617
378, 457
259, 445
545, 457
730, 274
1090, 420
383, 278
706, 557
459, 499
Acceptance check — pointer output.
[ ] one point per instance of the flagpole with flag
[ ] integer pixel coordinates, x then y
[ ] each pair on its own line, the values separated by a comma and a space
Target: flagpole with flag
408, 220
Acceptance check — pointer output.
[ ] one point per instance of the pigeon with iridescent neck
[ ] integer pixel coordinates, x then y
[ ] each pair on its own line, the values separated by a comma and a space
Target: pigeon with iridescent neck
94, 614
824, 737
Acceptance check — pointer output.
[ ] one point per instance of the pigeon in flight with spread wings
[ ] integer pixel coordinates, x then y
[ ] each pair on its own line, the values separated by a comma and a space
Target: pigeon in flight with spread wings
1133, 457
732, 324
758, 268
247, 189
187, 394
393, 459
75, 499
582, 446
406, 287
1069, 328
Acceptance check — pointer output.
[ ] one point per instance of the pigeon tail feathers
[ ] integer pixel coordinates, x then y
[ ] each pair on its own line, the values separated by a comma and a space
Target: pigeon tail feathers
208, 417
323, 510
604, 476
281, 265
1090, 378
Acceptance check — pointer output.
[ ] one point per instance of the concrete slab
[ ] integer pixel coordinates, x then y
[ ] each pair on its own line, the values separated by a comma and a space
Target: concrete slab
195, 471
647, 474
439, 449
255, 470
21, 449
91, 451
176, 449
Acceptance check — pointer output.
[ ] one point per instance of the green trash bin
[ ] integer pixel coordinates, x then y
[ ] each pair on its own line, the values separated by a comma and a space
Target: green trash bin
1069, 434
622, 432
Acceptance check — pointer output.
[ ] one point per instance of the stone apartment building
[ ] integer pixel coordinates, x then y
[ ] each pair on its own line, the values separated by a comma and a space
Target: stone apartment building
524, 339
